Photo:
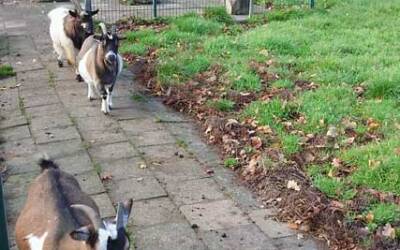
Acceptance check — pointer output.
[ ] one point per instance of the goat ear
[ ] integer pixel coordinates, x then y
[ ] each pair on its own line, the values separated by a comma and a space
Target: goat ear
94, 12
73, 13
123, 213
81, 234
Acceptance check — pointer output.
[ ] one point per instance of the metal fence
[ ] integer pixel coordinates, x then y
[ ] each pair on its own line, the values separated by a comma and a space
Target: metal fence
113, 10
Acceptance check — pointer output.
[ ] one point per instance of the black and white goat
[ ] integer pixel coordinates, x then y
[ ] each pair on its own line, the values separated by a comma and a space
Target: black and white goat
68, 31
59, 215
100, 64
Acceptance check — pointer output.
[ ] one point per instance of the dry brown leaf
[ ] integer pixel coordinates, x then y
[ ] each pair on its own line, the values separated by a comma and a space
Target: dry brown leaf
336, 162
389, 231
106, 176
332, 132
293, 226
369, 217
265, 129
372, 124
256, 142
292, 184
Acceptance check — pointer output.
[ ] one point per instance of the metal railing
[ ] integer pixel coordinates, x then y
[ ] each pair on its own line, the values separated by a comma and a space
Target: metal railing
113, 10
4, 244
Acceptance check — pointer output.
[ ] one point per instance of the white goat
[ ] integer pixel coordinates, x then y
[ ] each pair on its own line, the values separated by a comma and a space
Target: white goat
58, 215
68, 30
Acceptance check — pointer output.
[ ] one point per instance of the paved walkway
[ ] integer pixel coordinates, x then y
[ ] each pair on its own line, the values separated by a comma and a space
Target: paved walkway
183, 198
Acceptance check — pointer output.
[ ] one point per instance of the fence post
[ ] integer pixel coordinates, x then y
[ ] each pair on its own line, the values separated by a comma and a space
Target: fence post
250, 8
312, 4
88, 8
3, 221
155, 8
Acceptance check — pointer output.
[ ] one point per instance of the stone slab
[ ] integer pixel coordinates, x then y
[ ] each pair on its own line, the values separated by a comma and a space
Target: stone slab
112, 152
194, 191
55, 135
101, 137
247, 237
15, 133
135, 188
214, 215
270, 227
152, 138
154, 211
125, 168
176, 236
139, 126
90, 183
107, 210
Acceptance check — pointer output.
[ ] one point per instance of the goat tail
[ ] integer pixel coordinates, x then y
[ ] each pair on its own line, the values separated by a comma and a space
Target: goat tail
46, 163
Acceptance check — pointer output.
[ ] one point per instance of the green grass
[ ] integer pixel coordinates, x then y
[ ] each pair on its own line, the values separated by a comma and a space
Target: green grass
339, 45
384, 213
230, 163
6, 71
222, 105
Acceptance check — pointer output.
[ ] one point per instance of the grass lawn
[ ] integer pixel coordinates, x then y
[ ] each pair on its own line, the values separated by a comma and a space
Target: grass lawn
6, 71
348, 49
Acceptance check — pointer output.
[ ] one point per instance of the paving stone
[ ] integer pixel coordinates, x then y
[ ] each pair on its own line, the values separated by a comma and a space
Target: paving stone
270, 227
139, 126
8, 82
20, 165
240, 194
54, 121
152, 138
122, 114
163, 153
40, 101
123, 102
247, 237
14, 121
101, 137
204, 153
125, 168
36, 92
17, 185
154, 211
194, 191
55, 135
293, 243
13, 208
90, 183
181, 169
16, 133
90, 110
18, 148
112, 152
106, 208
46, 110
61, 149
30, 79
102, 123
135, 188
177, 236
214, 215
76, 163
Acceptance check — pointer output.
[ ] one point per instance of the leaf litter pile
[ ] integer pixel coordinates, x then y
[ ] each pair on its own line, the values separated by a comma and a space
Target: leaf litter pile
305, 165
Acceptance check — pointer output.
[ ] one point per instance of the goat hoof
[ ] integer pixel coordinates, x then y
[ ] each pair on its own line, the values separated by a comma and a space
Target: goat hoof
79, 78
60, 64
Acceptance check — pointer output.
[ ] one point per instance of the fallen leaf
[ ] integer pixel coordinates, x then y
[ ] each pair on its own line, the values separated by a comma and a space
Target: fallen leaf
369, 217
142, 165
293, 226
265, 129
372, 124
256, 142
106, 176
349, 141
293, 185
389, 231
336, 162
332, 132
156, 163
208, 130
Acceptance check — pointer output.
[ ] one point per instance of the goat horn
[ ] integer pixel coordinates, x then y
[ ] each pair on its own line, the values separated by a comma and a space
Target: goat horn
77, 5
103, 28
92, 215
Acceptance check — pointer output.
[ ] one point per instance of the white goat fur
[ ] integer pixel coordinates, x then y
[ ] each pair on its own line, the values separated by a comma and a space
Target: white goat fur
63, 46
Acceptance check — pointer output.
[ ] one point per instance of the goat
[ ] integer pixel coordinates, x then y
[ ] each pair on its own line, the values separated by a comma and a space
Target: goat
99, 64
59, 215
68, 30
